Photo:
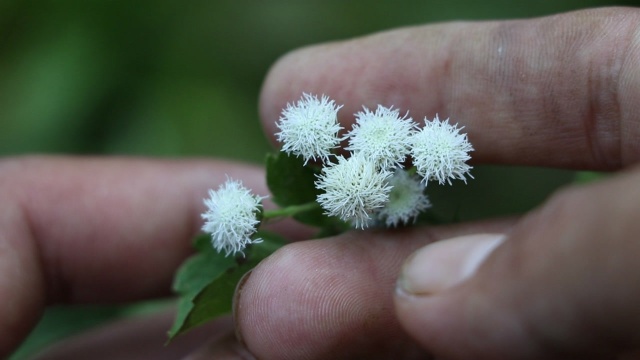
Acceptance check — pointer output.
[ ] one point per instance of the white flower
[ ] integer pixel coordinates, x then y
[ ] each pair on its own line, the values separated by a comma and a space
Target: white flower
231, 217
353, 189
440, 152
310, 128
382, 136
406, 200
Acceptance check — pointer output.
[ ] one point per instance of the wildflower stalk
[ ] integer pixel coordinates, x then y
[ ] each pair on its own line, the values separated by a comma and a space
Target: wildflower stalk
289, 211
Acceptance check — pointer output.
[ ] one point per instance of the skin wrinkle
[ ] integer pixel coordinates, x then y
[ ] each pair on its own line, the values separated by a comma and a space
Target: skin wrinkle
432, 81
581, 47
70, 203
94, 186
343, 305
629, 90
524, 78
14, 227
561, 207
378, 311
515, 258
337, 296
593, 50
526, 273
24, 219
519, 94
78, 227
567, 100
604, 64
396, 66
380, 275
506, 72
101, 197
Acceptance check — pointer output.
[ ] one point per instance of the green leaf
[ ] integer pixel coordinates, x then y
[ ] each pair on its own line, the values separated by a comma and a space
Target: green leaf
315, 217
290, 182
585, 177
194, 275
206, 282
198, 270
202, 243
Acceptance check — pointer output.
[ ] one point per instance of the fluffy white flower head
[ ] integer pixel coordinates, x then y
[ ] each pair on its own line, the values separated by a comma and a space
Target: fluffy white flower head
353, 189
440, 152
231, 217
406, 200
382, 136
309, 128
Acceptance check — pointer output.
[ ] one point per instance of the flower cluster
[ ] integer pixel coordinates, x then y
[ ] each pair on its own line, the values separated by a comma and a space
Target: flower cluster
353, 188
381, 136
361, 189
231, 217
309, 128
440, 152
382, 181
406, 199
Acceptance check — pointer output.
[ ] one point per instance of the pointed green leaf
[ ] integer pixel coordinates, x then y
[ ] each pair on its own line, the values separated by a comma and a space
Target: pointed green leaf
290, 182
194, 275
206, 290
293, 183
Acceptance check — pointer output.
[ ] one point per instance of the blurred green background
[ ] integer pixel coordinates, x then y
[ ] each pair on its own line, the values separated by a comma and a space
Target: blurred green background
169, 78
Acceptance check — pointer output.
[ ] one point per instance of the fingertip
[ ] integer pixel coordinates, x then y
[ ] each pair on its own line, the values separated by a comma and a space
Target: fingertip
426, 308
319, 300
443, 264
277, 308
488, 75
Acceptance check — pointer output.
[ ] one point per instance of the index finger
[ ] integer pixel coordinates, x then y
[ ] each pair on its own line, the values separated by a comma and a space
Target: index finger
87, 230
559, 91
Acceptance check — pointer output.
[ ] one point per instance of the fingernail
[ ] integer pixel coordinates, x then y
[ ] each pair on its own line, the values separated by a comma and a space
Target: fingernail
445, 263
235, 309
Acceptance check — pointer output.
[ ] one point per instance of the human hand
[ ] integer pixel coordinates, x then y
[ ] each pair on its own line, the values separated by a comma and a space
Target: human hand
89, 230
559, 91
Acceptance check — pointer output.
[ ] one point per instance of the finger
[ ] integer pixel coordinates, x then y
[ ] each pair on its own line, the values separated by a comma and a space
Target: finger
138, 337
557, 91
90, 230
225, 348
562, 285
332, 298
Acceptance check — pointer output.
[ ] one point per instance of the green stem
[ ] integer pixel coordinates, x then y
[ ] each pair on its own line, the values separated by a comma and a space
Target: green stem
290, 210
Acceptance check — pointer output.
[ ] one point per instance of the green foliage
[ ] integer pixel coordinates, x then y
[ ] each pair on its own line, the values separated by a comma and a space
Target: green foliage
194, 275
60, 322
290, 182
206, 282
584, 177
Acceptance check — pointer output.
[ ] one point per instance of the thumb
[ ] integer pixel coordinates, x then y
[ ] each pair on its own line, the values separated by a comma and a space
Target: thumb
563, 284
